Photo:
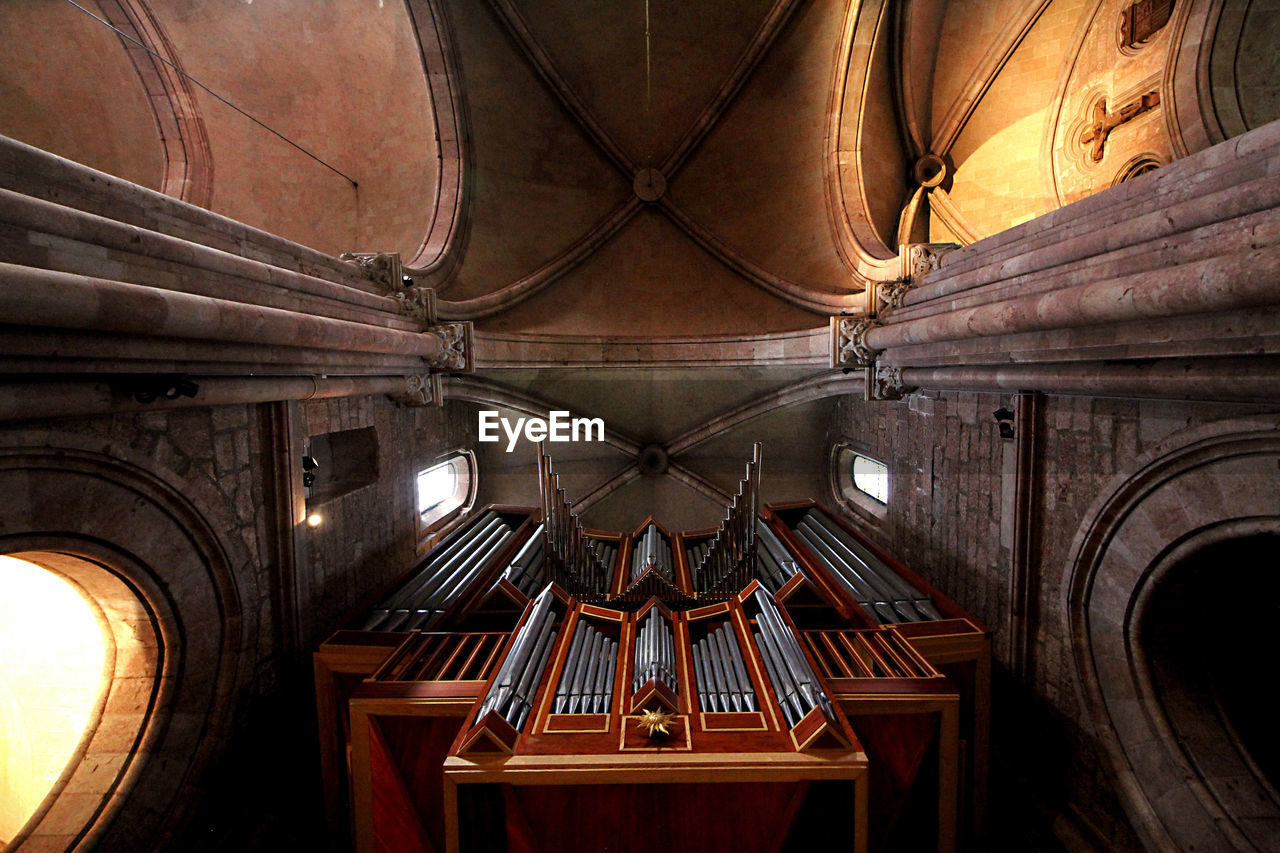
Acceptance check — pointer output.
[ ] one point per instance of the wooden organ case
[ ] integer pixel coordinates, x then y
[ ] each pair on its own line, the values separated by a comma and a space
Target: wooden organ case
771, 684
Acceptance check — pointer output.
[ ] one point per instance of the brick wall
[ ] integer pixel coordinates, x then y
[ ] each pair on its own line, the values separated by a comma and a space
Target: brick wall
949, 517
945, 463
369, 536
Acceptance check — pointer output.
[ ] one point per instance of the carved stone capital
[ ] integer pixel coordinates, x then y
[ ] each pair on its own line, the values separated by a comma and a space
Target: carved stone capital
421, 389
383, 267
458, 353
417, 303
920, 259
890, 294
885, 383
849, 342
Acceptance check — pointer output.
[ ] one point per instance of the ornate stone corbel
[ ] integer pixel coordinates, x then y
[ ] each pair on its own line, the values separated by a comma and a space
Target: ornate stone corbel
888, 295
421, 389
885, 383
849, 342
920, 259
458, 352
916, 261
383, 267
417, 303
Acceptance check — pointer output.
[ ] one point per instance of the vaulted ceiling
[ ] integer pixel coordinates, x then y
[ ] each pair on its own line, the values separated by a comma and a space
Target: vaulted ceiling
649, 209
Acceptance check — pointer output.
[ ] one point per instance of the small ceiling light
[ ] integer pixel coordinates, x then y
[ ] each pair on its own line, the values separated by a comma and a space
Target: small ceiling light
314, 519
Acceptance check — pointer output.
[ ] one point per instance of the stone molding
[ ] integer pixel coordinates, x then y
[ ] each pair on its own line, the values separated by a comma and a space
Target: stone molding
457, 354
194, 580
383, 268
1167, 505
886, 383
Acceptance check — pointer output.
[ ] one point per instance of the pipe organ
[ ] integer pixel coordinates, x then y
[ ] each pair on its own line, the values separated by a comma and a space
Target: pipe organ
775, 682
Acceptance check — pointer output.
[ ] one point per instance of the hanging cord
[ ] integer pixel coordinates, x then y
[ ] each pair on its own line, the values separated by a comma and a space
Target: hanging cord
133, 40
648, 97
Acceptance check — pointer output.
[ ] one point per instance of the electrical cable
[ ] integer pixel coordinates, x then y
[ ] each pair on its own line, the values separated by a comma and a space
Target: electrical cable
256, 121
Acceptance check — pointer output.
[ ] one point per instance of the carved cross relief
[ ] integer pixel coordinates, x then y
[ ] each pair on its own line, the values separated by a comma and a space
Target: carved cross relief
1103, 122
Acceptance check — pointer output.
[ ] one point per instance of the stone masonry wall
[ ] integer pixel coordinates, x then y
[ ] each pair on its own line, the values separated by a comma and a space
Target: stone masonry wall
950, 518
219, 459
369, 536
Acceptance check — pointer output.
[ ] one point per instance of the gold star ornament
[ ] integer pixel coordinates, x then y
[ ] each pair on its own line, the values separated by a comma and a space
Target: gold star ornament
656, 723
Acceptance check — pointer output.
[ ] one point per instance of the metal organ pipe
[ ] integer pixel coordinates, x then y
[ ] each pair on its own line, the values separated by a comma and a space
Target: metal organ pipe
789, 669
571, 561
512, 691
730, 561
880, 590
446, 576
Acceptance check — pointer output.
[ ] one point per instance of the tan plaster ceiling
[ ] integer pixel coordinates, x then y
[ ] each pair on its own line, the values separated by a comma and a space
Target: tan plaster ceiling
496, 144
761, 116
556, 104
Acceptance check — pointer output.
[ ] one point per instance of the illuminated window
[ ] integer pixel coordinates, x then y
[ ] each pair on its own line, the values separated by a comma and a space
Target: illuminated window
860, 483
446, 489
870, 477
52, 685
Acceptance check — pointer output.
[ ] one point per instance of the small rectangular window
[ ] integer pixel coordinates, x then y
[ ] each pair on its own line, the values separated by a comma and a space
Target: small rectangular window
861, 484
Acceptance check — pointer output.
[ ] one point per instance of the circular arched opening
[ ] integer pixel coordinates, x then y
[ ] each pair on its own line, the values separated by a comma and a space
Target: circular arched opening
80, 657
1171, 572
1205, 677
56, 657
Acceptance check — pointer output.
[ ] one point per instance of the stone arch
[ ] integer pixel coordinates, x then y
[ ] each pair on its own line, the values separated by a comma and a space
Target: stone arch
1200, 487
188, 170
1218, 85
150, 559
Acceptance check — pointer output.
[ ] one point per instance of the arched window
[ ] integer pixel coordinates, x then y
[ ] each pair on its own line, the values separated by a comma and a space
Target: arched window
79, 658
446, 489
52, 654
870, 477
860, 482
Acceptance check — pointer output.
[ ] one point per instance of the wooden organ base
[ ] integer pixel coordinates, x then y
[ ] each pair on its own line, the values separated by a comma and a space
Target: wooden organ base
656, 802
424, 749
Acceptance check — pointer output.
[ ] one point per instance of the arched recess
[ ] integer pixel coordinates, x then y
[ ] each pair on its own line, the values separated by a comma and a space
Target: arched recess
445, 239
134, 683
864, 192
151, 560
1221, 81
188, 166
1201, 487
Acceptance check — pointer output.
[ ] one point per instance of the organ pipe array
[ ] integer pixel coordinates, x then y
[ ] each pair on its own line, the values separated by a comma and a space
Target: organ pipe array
571, 560
527, 570
730, 560
774, 563
512, 691
586, 682
882, 592
431, 592
529, 637
793, 680
655, 653
722, 679
651, 549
